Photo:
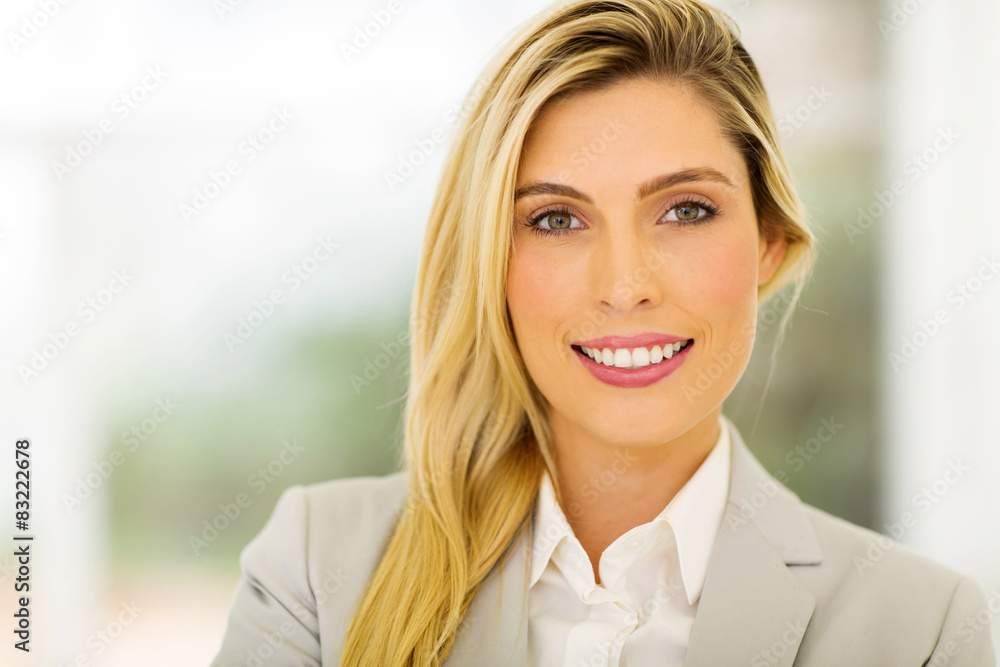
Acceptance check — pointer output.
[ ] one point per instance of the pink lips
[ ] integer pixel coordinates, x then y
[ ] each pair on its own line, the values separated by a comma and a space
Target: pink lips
633, 377
642, 340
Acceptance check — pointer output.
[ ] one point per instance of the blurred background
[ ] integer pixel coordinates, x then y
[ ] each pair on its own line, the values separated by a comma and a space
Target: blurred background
210, 219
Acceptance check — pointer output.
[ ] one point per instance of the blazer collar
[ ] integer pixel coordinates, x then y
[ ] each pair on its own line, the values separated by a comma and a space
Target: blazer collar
751, 600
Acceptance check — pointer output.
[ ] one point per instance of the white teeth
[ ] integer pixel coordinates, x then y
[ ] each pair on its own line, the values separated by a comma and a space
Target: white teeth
655, 355
639, 357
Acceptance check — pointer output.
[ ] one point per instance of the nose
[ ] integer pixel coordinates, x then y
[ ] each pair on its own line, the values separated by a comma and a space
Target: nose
624, 278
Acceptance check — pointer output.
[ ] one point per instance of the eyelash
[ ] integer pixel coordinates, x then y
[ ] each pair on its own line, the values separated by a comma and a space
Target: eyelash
710, 213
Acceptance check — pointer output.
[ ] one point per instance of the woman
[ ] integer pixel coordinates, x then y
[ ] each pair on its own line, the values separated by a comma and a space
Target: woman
612, 214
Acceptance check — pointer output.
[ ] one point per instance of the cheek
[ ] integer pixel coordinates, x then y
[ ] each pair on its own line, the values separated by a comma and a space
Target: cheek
720, 278
531, 286
543, 296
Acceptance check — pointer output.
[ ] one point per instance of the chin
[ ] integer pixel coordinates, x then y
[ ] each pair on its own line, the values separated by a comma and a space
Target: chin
626, 431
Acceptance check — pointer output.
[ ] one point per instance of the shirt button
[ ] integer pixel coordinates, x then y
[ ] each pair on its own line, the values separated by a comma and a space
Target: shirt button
636, 542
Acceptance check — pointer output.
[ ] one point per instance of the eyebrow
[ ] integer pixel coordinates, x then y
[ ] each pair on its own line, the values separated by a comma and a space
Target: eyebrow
646, 189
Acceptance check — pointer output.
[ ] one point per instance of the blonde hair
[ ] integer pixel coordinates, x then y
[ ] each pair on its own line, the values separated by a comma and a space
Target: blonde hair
475, 440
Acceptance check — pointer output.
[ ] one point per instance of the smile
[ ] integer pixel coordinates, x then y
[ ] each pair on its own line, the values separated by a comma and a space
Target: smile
634, 367
638, 357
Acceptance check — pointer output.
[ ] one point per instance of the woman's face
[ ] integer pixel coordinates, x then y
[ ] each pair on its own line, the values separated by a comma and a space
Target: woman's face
645, 236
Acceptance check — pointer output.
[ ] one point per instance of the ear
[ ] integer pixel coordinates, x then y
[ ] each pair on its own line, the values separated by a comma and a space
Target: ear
770, 253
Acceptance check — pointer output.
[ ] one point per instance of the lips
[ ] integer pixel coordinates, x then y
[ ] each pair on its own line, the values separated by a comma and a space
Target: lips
626, 370
631, 342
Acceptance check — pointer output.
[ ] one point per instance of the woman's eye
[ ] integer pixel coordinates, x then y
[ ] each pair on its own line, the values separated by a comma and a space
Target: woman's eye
688, 211
556, 220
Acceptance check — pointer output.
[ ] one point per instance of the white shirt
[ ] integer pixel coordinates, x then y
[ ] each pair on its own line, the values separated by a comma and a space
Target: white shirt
651, 577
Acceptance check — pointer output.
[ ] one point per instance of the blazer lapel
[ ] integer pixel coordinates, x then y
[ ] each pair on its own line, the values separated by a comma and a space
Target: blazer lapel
753, 609
494, 631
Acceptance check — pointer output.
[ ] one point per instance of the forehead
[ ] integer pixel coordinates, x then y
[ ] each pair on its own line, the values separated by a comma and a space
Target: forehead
625, 132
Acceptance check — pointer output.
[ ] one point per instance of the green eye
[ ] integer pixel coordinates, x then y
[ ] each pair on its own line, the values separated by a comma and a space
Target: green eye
688, 212
553, 223
559, 220
691, 213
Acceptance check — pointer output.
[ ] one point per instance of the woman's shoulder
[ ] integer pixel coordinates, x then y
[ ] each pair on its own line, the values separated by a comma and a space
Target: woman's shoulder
355, 500
305, 571
867, 595
868, 580
846, 566
865, 554
333, 522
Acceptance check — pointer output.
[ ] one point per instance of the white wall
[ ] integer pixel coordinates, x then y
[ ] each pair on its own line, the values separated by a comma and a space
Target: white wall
941, 238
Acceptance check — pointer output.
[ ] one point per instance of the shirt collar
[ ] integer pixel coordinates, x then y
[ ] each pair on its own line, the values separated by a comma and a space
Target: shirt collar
549, 530
694, 515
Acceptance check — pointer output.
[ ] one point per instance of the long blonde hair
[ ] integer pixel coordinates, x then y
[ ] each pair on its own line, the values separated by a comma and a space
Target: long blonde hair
476, 441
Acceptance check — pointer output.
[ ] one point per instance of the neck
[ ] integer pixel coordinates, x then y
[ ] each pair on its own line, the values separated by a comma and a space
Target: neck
607, 490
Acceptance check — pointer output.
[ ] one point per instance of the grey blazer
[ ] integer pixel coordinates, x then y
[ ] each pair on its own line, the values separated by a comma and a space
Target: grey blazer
787, 584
